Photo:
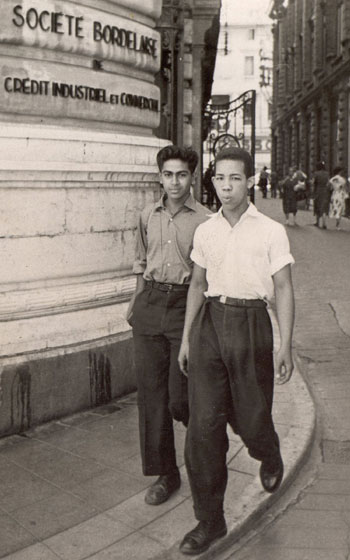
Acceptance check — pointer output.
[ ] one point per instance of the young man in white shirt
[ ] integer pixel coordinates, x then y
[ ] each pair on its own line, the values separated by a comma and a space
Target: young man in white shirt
241, 261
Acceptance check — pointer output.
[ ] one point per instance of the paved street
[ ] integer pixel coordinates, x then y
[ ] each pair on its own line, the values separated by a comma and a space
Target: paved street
316, 525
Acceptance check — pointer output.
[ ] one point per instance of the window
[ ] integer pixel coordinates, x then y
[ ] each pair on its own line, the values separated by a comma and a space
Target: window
249, 66
324, 35
312, 43
269, 111
247, 113
251, 34
301, 58
340, 29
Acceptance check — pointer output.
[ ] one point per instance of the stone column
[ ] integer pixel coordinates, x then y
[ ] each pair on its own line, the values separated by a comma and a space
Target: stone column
279, 152
294, 142
78, 106
325, 128
303, 149
203, 12
342, 126
313, 139
197, 127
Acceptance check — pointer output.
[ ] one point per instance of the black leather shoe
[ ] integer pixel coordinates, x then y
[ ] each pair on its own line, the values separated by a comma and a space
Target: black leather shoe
203, 535
271, 474
162, 488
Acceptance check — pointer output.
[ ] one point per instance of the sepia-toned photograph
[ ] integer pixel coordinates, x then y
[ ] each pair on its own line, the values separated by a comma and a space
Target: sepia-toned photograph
174, 279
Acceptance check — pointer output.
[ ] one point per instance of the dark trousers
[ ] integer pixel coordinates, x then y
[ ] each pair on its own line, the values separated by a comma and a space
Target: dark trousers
230, 374
273, 190
263, 187
157, 322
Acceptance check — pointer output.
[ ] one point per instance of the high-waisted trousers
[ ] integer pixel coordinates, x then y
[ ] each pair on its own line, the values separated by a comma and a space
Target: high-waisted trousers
157, 321
230, 381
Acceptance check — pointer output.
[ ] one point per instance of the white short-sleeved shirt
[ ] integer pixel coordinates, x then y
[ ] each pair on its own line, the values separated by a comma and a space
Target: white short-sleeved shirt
240, 261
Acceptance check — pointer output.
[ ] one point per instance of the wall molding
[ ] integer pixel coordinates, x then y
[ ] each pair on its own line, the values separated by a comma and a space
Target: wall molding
64, 298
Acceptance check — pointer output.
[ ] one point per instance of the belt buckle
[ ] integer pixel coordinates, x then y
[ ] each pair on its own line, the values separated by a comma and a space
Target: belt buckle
222, 299
168, 287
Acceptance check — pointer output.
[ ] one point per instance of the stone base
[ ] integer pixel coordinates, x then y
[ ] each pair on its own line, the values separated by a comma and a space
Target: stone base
38, 388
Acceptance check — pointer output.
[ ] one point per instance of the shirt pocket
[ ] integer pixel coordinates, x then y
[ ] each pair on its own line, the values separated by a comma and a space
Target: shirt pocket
253, 271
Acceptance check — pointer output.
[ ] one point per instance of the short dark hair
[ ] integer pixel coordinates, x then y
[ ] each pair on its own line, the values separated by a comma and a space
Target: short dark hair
175, 152
239, 154
338, 170
320, 165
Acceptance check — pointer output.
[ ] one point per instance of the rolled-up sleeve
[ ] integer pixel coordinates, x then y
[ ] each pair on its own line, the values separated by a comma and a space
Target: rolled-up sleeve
279, 250
140, 261
197, 253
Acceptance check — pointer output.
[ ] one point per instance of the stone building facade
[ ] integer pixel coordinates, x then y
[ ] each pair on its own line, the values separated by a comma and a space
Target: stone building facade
310, 120
244, 62
80, 114
189, 31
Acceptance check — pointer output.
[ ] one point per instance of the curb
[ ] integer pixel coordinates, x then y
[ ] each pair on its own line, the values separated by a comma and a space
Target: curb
295, 447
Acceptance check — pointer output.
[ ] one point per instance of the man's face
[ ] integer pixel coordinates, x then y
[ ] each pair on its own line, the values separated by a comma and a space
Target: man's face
231, 183
176, 179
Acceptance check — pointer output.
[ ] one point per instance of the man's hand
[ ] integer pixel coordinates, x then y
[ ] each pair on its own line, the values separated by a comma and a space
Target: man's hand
140, 285
283, 366
130, 308
183, 357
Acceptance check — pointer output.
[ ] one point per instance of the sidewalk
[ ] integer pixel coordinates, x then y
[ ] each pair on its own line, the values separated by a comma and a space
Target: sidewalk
74, 490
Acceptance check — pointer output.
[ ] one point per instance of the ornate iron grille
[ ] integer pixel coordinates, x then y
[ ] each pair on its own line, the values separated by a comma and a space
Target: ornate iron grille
232, 124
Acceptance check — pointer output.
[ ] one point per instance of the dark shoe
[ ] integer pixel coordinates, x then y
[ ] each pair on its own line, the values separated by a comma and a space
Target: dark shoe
203, 535
271, 474
162, 488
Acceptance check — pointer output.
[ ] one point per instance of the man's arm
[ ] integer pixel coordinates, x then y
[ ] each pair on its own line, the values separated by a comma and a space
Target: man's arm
195, 300
285, 315
140, 284
140, 262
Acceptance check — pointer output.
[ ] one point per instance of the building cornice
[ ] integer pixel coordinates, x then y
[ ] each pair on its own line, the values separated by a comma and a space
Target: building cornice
314, 93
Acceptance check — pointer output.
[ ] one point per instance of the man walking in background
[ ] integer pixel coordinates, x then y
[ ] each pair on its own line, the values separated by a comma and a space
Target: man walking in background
263, 180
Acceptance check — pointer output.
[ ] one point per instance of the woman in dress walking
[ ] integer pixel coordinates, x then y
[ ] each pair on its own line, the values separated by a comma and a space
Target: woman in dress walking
321, 191
338, 196
289, 197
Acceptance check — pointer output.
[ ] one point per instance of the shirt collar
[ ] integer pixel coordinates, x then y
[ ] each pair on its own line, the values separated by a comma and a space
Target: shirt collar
251, 211
189, 203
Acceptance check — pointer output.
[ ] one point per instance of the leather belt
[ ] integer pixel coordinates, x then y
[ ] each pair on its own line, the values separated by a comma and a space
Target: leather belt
236, 302
164, 287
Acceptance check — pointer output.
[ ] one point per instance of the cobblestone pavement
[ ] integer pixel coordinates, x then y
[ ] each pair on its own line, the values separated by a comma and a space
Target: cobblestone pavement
316, 526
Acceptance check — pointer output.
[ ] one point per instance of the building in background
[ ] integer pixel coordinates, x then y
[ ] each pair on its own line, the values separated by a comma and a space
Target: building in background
244, 63
88, 95
311, 84
189, 31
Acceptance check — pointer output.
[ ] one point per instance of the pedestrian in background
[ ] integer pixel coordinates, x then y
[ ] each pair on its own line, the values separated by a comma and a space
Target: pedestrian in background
157, 311
339, 195
273, 184
300, 179
263, 180
289, 197
212, 198
242, 259
321, 194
